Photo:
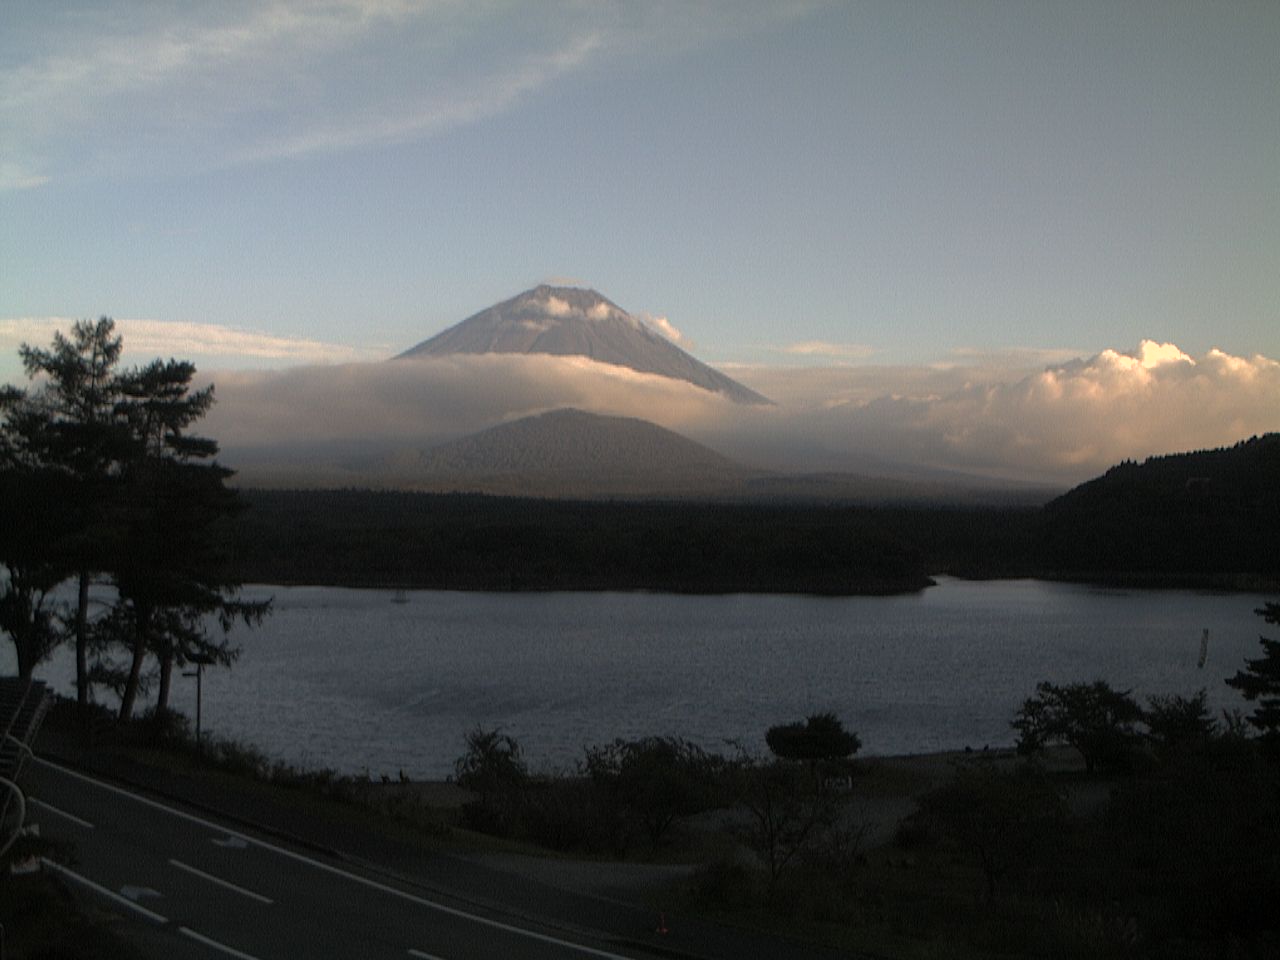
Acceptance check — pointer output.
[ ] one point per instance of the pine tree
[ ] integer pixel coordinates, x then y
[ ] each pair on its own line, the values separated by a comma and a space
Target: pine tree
1261, 680
83, 439
171, 571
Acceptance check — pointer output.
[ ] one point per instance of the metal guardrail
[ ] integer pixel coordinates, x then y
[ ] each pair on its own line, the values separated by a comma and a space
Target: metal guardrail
23, 704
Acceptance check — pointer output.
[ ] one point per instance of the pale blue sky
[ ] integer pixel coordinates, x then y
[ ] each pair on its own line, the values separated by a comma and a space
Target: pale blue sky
908, 183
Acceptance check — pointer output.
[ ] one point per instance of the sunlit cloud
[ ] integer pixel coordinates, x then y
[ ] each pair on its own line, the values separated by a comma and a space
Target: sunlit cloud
1067, 421
14, 177
1011, 358
827, 350
204, 343
557, 307
665, 327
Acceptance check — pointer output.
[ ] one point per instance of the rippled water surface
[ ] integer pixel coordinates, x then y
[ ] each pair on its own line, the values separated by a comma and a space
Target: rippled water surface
351, 680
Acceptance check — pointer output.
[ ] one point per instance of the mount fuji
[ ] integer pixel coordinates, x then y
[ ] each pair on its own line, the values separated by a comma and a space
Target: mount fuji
571, 321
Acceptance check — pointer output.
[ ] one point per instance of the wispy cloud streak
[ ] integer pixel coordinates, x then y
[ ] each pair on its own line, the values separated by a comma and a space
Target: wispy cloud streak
204, 343
827, 350
122, 86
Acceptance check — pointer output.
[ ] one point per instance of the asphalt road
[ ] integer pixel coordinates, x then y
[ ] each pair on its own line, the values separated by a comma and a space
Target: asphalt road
198, 889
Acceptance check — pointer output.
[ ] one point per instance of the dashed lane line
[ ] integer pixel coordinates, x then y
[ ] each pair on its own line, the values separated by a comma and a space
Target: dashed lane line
215, 945
195, 871
139, 909
61, 813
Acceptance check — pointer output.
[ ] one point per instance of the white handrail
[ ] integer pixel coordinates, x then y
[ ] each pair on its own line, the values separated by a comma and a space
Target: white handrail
22, 813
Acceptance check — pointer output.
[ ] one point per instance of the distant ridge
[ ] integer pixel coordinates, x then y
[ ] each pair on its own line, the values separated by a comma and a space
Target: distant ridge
571, 321
570, 452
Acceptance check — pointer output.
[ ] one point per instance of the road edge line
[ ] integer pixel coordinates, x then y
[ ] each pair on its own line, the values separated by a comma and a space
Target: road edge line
104, 891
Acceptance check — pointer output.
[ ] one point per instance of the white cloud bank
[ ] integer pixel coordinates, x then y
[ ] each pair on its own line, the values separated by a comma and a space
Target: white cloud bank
1063, 423
421, 400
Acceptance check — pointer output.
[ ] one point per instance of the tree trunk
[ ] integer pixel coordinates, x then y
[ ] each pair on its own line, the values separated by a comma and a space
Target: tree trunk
166, 680
25, 641
130, 693
26, 661
82, 644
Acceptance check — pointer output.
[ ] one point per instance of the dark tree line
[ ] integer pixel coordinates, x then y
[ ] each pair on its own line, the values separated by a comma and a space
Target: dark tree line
1200, 519
102, 481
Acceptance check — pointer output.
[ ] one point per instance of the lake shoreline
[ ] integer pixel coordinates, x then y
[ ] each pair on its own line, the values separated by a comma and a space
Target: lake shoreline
1218, 583
352, 680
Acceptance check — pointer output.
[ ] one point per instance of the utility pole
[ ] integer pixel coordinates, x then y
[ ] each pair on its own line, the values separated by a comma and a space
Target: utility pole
201, 660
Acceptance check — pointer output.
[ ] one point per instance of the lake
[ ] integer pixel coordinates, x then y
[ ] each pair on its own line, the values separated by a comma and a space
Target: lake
349, 679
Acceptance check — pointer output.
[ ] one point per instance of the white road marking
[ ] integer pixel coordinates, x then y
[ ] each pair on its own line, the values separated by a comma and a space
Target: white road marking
423, 956
338, 871
220, 882
61, 813
229, 951
109, 894
137, 893
230, 843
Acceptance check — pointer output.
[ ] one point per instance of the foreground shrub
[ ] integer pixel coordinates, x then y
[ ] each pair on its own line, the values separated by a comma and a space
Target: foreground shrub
725, 886
648, 784
1177, 724
1005, 820
493, 768
566, 813
791, 813
1091, 717
1198, 840
821, 737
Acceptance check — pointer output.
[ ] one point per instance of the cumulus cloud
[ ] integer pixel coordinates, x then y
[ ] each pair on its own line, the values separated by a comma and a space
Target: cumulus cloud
665, 327
1065, 422
1061, 423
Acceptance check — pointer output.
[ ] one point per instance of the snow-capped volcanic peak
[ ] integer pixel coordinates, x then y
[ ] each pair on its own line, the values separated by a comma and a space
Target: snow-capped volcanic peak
571, 321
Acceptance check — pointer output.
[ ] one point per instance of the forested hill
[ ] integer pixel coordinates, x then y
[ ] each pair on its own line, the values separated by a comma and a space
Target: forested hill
1209, 519
1207, 515
476, 542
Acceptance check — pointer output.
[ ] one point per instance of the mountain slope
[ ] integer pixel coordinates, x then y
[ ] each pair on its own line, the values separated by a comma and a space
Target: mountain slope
568, 321
573, 453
